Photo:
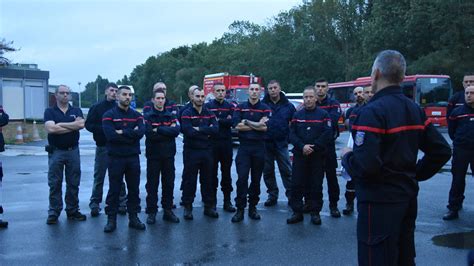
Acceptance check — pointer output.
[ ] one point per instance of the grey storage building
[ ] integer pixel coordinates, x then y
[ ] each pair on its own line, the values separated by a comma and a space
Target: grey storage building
24, 91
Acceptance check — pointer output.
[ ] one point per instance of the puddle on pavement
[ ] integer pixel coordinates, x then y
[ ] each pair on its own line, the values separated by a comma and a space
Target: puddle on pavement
23, 173
463, 240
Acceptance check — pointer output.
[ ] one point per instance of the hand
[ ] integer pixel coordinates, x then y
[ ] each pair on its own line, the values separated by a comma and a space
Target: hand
135, 128
264, 119
345, 150
229, 117
196, 128
244, 121
308, 149
119, 131
155, 129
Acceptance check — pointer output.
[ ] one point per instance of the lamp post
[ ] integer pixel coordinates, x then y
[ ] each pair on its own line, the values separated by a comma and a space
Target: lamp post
79, 83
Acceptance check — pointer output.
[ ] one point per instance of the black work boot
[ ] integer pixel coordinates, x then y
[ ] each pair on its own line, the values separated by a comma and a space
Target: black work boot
334, 211
111, 224
253, 214
168, 215
134, 222
349, 208
271, 201
315, 218
188, 212
451, 215
211, 212
3, 224
238, 216
296, 217
151, 219
228, 207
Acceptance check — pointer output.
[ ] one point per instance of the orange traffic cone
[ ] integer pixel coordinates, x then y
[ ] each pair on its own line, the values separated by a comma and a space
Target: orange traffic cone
19, 135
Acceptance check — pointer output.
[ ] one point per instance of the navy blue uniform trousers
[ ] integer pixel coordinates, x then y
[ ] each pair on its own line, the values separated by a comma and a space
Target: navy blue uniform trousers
308, 174
197, 161
163, 167
462, 158
119, 167
250, 159
385, 232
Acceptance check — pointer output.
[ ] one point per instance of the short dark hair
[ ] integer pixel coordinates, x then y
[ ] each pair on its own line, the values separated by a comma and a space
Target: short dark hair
111, 84
273, 81
468, 74
123, 87
321, 80
159, 90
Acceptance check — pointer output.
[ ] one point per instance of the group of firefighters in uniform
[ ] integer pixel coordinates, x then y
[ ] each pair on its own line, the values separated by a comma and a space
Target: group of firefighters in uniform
388, 129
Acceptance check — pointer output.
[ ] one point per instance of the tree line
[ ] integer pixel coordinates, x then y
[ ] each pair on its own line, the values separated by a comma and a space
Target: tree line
334, 39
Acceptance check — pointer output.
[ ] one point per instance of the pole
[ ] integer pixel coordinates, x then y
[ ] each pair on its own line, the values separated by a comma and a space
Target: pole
96, 92
80, 105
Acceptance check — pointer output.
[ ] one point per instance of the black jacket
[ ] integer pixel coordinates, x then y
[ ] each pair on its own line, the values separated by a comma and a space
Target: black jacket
223, 112
279, 122
205, 121
461, 127
160, 144
334, 110
94, 120
384, 160
127, 143
311, 127
3, 122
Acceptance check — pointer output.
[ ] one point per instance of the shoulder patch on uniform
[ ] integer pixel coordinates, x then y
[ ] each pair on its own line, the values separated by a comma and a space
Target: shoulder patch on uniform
359, 138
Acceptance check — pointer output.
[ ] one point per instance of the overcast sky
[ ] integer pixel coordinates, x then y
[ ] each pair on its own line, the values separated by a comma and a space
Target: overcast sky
77, 40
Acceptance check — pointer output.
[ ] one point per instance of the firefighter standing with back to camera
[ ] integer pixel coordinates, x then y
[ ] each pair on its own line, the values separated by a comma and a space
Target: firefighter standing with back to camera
461, 131
250, 120
161, 131
385, 167
332, 107
123, 128
310, 134
222, 144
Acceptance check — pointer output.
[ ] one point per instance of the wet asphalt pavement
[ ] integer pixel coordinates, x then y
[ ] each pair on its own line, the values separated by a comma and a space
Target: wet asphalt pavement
28, 240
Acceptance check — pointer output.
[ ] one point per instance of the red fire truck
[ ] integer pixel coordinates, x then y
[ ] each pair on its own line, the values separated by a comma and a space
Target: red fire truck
431, 92
237, 85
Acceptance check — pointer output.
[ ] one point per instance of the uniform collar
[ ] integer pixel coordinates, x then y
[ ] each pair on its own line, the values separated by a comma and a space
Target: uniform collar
390, 90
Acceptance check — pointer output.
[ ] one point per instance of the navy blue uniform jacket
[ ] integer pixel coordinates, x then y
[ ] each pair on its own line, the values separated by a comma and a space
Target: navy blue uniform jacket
205, 121
222, 111
388, 133
128, 143
160, 144
170, 106
279, 123
311, 127
334, 110
252, 113
461, 127
94, 120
